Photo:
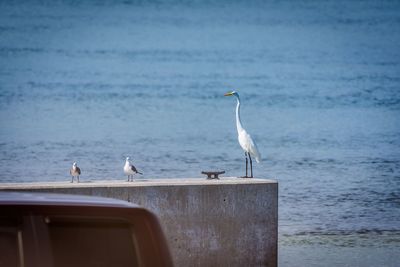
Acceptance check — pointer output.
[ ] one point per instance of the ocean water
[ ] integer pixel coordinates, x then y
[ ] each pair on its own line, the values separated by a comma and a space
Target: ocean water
96, 81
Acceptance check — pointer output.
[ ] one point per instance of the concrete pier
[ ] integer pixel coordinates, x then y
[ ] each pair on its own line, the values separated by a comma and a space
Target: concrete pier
226, 222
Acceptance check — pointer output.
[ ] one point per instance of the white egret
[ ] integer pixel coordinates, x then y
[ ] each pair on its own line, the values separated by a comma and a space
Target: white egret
130, 170
75, 171
245, 140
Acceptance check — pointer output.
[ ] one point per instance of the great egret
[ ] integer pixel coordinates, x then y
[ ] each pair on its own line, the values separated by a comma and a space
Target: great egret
245, 140
130, 170
75, 171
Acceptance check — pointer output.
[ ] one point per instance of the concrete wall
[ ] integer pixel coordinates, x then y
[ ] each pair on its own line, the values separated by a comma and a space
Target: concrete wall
227, 222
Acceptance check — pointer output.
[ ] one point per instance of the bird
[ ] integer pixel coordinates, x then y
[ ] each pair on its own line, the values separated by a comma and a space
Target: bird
130, 170
245, 140
75, 171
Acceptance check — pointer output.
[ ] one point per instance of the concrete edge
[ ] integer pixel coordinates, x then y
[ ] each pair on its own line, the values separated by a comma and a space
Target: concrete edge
137, 183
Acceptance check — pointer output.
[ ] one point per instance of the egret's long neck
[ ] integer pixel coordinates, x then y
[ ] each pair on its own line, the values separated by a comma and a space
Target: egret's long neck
238, 122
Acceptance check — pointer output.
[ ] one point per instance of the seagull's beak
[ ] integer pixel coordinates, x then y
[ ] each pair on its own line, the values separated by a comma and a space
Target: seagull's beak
228, 94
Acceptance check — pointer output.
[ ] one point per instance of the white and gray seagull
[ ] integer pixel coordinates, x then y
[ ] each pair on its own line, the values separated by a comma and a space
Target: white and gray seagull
75, 171
130, 170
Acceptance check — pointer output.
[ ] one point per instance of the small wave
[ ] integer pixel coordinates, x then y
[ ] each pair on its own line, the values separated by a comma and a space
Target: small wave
344, 238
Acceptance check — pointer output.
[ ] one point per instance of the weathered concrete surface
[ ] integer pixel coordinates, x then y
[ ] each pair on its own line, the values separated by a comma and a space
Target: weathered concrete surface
227, 222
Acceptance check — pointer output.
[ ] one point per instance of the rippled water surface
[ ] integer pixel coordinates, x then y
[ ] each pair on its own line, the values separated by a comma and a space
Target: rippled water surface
96, 81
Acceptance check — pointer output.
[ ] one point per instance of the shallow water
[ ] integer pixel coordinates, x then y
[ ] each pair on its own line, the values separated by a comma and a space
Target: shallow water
319, 82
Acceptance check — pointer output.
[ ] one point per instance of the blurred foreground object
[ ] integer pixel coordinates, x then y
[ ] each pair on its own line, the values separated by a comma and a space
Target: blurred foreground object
38, 229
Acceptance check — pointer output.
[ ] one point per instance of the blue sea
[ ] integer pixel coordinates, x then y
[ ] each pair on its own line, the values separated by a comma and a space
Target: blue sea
319, 81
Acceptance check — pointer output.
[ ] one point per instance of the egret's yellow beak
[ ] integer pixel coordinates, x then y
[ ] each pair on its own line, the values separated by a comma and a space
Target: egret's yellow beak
228, 94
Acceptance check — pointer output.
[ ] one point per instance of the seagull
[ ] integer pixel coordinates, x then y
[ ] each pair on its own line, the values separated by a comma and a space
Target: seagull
130, 170
246, 142
75, 171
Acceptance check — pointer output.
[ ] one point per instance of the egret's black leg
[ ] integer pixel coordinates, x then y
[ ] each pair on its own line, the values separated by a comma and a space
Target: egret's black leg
251, 166
72, 179
245, 153
78, 178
